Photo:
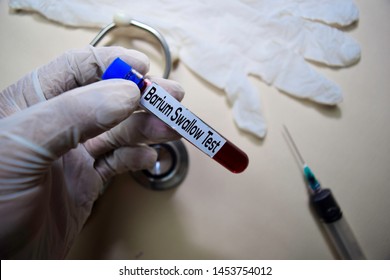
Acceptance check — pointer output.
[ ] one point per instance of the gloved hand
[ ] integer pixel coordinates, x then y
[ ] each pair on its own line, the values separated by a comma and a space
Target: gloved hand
225, 41
57, 154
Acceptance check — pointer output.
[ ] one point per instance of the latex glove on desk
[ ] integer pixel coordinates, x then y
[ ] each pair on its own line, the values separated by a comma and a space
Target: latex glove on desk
225, 41
63, 135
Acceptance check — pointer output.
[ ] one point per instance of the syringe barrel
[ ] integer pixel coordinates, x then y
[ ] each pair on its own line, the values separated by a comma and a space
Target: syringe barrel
336, 226
344, 240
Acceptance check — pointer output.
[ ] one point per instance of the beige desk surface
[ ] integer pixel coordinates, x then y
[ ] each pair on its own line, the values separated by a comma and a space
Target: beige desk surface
262, 213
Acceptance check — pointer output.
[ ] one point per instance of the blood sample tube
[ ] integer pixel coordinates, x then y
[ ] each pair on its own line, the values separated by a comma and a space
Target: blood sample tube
160, 103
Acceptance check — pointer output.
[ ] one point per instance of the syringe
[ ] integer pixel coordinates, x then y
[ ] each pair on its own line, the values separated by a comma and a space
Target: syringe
329, 212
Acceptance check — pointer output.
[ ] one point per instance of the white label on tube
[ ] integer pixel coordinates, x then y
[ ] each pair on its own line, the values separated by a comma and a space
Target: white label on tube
161, 104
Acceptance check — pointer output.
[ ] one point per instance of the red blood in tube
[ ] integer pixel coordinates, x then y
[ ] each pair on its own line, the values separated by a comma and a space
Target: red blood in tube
231, 157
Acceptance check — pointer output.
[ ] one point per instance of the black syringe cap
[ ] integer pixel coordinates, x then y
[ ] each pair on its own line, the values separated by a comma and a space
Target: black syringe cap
326, 206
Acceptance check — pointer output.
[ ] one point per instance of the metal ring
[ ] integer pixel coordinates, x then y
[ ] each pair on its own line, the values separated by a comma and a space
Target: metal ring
174, 156
167, 54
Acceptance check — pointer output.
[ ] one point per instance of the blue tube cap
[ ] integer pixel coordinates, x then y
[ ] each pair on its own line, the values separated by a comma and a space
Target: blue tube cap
119, 69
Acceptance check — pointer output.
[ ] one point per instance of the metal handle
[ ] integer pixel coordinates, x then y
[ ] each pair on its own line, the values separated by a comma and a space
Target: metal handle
167, 54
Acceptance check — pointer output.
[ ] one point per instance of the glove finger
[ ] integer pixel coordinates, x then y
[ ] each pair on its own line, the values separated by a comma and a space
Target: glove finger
232, 78
290, 73
173, 87
246, 104
325, 44
141, 127
125, 159
335, 12
312, 39
81, 67
52, 128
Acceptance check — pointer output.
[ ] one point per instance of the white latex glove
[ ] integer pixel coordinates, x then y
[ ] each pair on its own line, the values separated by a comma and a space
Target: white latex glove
48, 180
225, 41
